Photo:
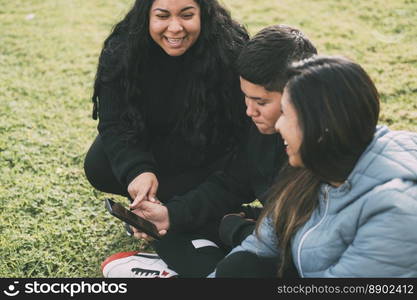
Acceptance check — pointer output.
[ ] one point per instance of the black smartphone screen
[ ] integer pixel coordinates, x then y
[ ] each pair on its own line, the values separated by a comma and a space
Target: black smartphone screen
119, 211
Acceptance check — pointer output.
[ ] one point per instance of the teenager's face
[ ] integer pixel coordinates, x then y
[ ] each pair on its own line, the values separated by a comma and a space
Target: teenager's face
262, 106
174, 25
289, 128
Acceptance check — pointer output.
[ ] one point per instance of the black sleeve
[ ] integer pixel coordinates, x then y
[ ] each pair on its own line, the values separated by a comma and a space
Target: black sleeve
222, 193
251, 212
127, 161
234, 229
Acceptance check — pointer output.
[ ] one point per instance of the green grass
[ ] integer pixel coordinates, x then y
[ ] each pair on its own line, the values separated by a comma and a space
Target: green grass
53, 224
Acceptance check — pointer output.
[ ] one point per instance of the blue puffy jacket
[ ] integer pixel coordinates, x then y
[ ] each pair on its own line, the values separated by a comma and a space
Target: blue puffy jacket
366, 227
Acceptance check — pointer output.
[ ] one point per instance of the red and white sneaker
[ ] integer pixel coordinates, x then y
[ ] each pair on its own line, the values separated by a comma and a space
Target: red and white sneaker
135, 264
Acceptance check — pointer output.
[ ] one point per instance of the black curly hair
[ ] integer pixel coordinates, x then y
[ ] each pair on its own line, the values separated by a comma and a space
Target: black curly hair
214, 109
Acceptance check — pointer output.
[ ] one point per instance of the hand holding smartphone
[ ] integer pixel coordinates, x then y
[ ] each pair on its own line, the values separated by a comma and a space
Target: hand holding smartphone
119, 211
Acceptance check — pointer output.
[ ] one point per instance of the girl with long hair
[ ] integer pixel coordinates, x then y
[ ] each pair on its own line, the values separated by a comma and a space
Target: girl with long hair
345, 204
168, 100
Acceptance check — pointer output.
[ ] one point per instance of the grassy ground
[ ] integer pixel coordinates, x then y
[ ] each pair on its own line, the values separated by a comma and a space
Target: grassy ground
52, 223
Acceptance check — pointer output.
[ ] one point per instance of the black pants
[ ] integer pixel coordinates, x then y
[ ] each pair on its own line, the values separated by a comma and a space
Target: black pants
245, 264
98, 171
178, 251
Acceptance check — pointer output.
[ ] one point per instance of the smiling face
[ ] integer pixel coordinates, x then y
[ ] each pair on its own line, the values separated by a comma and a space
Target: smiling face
289, 128
262, 106
174, 25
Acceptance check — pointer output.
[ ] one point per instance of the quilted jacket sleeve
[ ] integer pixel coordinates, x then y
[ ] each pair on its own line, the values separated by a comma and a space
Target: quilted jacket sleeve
264, 245
385, 244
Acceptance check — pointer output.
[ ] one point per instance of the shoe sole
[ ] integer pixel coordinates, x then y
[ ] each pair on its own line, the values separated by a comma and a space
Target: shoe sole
122, 258
117, 256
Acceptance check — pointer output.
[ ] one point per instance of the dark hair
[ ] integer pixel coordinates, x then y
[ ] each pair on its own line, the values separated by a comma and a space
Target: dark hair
214, 107
265, 57
338, 121
337, 106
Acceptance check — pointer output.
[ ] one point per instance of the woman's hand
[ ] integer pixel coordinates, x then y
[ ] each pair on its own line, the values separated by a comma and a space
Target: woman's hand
143, 187
154, 212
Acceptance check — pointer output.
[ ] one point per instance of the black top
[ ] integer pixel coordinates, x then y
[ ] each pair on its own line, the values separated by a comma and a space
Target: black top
163, 151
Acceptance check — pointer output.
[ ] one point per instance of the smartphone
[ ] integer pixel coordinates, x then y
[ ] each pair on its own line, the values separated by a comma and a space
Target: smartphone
119, 211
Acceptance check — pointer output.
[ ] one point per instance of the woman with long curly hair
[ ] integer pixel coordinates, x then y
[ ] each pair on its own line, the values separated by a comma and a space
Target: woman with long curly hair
168, 100
346, 202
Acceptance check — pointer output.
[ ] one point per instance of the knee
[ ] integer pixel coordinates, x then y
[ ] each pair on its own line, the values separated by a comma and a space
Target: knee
98, 171
96, 166
245, 264
90, 169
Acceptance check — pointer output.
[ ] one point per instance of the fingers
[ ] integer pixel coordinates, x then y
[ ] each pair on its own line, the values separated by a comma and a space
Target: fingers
162, 232
152, 192
143, 187
140, 235
154, 200
143, 236
140, 197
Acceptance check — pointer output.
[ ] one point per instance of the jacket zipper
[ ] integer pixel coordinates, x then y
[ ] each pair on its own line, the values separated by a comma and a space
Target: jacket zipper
327, 200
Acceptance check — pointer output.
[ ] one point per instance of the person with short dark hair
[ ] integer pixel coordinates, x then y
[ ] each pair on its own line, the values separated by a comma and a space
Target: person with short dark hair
345, 204
192, 247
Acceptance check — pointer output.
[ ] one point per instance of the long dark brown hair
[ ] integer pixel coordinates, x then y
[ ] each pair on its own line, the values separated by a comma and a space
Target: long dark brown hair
214, 108
337, 106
